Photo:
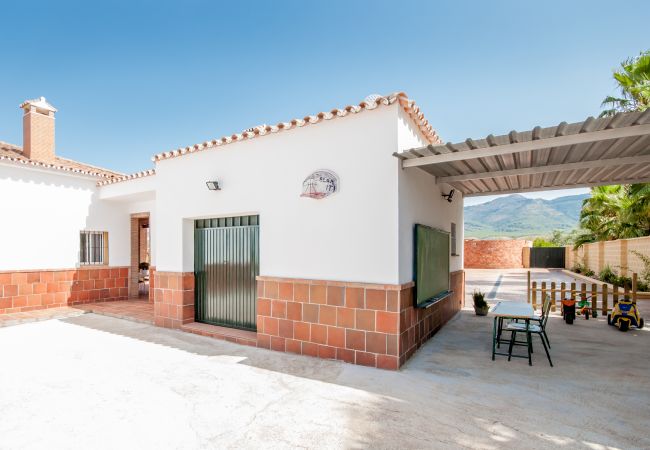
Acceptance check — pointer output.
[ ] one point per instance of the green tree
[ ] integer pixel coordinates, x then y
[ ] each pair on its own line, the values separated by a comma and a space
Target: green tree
541, 242
618, 212
638, 210
633, 80
615, 212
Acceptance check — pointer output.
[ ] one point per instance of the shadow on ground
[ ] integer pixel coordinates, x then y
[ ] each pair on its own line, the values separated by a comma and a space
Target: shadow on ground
451, 393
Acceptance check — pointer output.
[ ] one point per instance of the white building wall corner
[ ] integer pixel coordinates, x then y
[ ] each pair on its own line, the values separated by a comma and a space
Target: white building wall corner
421, 202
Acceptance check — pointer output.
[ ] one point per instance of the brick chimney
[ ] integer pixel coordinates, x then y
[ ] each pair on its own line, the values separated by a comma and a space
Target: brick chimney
38, 130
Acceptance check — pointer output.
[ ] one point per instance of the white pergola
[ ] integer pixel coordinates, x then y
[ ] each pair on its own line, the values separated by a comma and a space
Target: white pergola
610, 150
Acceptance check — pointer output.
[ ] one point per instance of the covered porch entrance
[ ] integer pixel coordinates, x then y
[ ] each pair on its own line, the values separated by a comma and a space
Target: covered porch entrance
603, 151
140, 245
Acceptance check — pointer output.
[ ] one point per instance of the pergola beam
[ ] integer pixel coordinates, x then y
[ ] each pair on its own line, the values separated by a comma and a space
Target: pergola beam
547, 169
540, 144
564, 186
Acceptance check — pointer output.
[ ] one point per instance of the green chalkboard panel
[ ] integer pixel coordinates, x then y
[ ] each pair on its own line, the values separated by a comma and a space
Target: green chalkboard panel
431, 264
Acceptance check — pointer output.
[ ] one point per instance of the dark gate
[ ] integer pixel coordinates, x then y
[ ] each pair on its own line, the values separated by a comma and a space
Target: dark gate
226, 262
547, 257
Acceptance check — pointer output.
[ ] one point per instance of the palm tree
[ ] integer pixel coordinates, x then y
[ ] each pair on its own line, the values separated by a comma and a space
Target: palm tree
633, 79
639, 209
599, 213
615, 212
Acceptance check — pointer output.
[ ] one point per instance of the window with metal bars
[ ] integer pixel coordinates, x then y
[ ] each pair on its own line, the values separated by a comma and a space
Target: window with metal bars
93, 247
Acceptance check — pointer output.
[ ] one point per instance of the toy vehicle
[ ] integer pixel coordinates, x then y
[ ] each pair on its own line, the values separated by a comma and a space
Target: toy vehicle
569, 310
625, 315
584, 307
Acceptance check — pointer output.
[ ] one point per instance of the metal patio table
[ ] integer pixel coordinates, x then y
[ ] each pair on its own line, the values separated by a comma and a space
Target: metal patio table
510, 310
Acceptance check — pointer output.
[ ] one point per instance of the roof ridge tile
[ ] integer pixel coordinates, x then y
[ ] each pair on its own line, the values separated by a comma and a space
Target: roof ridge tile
407, 104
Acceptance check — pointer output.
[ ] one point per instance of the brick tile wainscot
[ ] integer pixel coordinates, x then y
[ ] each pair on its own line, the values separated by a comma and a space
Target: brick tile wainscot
152, 282
173, 298
368, 324
29, 290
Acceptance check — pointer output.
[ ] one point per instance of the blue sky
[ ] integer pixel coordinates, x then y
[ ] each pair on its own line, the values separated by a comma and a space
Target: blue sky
134, 78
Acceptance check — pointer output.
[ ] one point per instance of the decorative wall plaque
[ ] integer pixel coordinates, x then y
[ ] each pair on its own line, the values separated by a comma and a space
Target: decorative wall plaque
320, 184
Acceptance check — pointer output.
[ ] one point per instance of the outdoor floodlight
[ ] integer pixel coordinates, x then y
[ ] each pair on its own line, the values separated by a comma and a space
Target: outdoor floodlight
213, 185
449, 196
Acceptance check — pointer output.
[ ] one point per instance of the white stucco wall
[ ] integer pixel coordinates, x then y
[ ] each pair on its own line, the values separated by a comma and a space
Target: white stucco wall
136, 189
408, 135
364, 233
351, 236
420, 201
41, 216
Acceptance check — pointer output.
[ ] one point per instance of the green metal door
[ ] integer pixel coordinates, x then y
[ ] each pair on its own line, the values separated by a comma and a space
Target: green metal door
226, 262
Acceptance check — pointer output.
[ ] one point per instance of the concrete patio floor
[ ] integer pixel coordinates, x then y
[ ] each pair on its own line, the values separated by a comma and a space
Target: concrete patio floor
99, 382
510, 284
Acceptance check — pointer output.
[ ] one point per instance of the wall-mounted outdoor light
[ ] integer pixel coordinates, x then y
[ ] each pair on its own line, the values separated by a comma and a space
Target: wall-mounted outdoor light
213, 185
449, 196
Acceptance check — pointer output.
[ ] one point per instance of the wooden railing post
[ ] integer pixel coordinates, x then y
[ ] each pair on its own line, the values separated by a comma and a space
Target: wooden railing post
562, 291
604, 310
534, 295
553, 296
583, 291
626, 292
634, 280
615, 296
528, 289
543, 296
573, 291
594, 300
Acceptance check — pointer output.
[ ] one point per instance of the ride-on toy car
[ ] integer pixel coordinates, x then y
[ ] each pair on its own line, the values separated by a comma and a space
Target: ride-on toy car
625, 315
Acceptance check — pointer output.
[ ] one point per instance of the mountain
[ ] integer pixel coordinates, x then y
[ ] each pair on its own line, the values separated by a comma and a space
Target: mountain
519, 216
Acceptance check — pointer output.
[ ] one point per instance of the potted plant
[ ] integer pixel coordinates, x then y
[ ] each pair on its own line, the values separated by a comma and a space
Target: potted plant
144, 268
480, 305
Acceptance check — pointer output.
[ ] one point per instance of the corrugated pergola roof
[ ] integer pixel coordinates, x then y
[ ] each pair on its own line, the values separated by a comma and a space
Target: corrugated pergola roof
610, 150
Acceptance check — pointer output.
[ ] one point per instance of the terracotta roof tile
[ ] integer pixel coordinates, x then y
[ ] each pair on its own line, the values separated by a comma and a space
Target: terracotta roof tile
132, 176
372, 102
14, 154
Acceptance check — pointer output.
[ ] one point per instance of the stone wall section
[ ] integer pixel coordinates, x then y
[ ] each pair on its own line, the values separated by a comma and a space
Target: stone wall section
618, 255
495, 254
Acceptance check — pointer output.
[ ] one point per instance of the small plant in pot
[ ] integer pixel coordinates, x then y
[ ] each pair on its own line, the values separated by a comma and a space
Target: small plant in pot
144, 268
480, 305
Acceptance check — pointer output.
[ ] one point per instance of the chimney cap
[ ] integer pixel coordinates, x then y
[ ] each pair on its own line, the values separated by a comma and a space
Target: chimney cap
39, 103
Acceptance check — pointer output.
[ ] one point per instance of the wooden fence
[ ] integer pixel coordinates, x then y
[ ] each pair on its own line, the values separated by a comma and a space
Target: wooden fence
585, 291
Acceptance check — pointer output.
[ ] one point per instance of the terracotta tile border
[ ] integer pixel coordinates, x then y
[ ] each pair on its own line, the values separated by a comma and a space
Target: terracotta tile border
353, 284
360, 323
367, 324
248, 338
419, 325
29, 290
173, 299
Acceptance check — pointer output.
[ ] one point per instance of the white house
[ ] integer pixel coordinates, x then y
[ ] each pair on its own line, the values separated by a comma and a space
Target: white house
254, 251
